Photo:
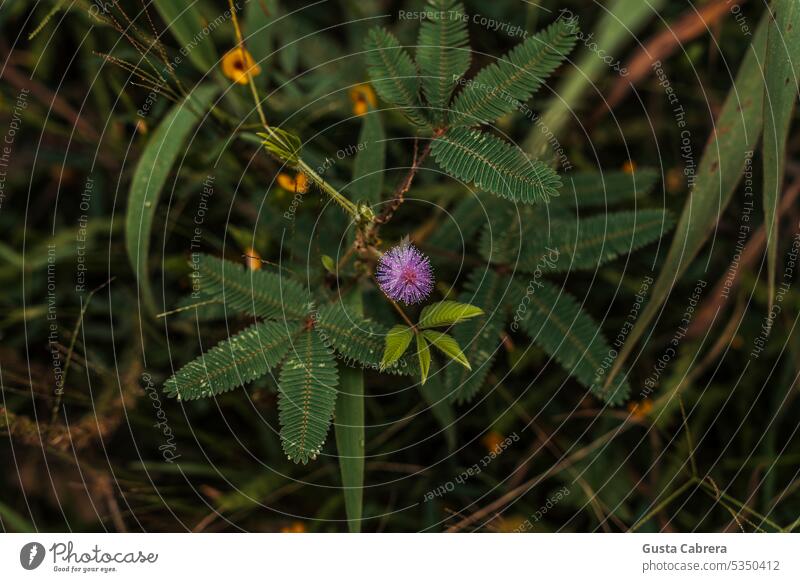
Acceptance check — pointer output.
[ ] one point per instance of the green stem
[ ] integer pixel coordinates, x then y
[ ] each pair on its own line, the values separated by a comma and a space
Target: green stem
337, 196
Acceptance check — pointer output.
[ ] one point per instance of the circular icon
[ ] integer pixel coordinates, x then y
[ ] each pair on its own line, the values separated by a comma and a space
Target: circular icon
31, 555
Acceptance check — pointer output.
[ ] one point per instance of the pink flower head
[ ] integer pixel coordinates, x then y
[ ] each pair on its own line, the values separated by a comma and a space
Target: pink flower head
405, 274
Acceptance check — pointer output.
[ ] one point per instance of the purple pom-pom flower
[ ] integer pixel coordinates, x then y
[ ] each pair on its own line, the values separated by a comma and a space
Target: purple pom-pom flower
405, 274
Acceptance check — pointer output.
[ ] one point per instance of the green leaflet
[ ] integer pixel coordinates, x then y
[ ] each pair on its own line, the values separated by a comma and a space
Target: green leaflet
368, 167
447, 313
349, 430
392, 73
166, 144
358, 339
251, 293
780, 95
572, 245
396, 343
186, 22
307, 396
238, 360
424, 356
447, 345
737, 131
494, 165
480, 338
556, 322
443, 53
501, 87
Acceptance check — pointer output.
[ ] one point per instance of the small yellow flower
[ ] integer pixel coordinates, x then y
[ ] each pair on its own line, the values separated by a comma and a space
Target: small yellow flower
141, 126
297, 184
294, 527
640, 410
237, 63
363, 98
491, 441
252, 259
675, 180
629, 167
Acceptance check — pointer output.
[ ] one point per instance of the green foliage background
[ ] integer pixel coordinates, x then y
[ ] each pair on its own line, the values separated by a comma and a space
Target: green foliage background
135, 190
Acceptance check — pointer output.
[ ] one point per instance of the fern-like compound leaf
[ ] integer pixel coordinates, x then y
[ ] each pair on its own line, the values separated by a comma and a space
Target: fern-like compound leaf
494, 165
306, 397
592, 189
393, 73
240, 359
480, 337
573, 245
250, 293
504, 86
358, 339
556, 322
443, 53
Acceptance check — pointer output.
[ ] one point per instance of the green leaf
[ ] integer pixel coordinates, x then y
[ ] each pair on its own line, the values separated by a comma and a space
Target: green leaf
736, 133
329, 264
480, 338
592, 189
358, 339
186, 23
556, 322
443, 53
250, 293
166, 144
397, 341
494, 165
586, 244
447, 313
783, 50
349, 429
502, 87
238, 360
392, 72
447, 345
370, 161
424, 355
307, 397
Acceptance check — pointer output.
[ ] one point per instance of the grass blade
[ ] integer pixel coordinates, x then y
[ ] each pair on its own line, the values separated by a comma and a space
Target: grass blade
186, 24
349, 428
151, 174
737, 131
783, 49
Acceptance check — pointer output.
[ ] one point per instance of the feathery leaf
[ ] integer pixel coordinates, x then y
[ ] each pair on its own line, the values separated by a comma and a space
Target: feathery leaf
393, 73
307, 397
240, 359
443, 53
447, 313
501, 87
556, 322
494, 165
